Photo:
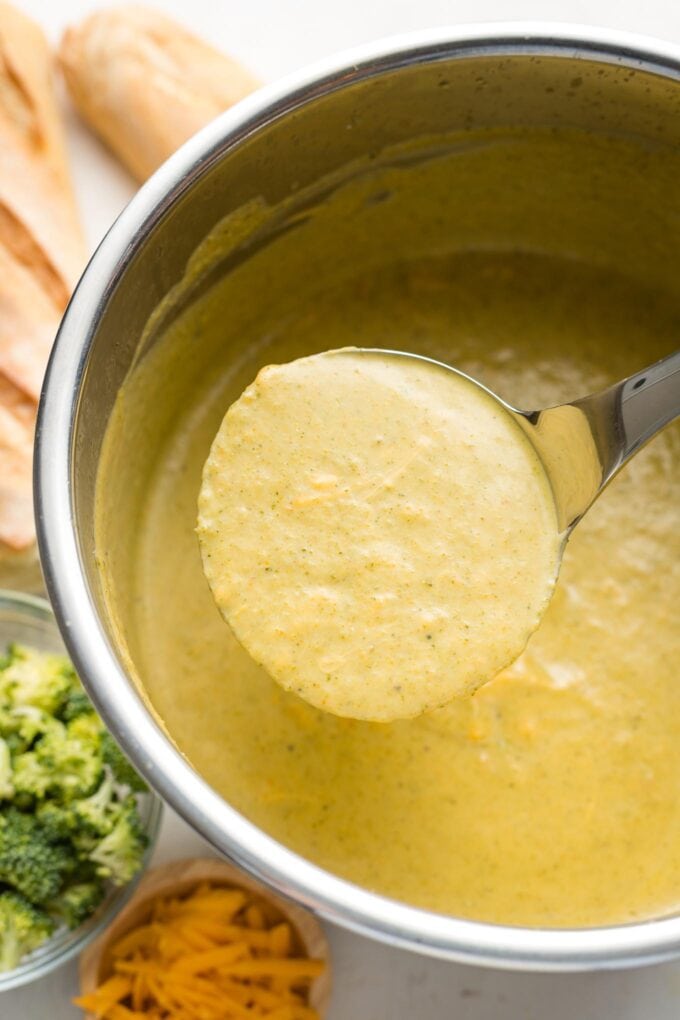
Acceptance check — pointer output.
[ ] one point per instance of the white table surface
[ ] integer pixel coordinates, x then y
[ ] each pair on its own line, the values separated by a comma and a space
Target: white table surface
372, 982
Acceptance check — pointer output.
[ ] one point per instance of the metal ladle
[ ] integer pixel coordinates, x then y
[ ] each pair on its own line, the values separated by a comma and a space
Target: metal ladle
584, 443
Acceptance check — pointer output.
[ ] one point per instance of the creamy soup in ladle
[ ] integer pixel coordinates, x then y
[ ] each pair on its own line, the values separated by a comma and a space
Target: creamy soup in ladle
377, 530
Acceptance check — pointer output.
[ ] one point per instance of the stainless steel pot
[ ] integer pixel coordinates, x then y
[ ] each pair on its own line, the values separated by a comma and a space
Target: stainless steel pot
283, 138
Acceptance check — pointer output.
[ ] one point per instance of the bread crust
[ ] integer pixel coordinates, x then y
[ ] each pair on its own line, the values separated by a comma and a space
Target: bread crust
145, 84
42, 253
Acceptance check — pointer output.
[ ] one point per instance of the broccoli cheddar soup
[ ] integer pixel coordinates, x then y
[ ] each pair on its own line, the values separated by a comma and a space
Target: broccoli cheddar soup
548, 797
377, 530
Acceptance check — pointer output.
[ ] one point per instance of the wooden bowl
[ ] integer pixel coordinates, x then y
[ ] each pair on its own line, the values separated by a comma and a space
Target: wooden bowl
179, 878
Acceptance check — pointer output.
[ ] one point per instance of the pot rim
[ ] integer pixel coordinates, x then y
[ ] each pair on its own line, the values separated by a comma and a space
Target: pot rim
117, 700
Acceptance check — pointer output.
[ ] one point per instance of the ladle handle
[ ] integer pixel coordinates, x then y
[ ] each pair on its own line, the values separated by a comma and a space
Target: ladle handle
583, 444
625, 416
647, 402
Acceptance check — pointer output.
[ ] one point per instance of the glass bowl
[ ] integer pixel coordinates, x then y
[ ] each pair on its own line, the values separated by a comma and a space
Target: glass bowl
29, 620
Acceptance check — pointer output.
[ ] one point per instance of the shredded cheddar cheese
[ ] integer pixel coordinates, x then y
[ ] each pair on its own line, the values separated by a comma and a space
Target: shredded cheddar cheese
216, 954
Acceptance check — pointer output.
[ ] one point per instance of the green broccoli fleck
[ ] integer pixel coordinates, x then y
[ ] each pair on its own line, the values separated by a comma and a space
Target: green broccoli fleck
66, 762
120, 853
23, 927
30, 861
77, 902
35, 678
123, 771
6, 783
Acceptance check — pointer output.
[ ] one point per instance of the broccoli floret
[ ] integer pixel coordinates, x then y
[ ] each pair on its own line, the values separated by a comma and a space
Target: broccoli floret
119, 854
96, 815
31, 778
30, 861
23, 927
66, 762
22, 725
8, 731
87, 727
35, 678
76, 704
7, 721
85, 871
68, 821
58, 820
122, 770
77, 902
6, 783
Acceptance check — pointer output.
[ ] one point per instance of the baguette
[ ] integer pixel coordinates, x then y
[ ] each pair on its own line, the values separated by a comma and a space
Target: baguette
41, 255
16, 440
145, 84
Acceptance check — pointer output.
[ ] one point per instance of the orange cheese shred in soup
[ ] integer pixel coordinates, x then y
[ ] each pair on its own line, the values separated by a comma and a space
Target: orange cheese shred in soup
377, 531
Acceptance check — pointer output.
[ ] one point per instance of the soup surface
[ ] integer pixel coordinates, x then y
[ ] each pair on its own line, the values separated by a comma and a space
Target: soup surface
378, 532
550, 797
